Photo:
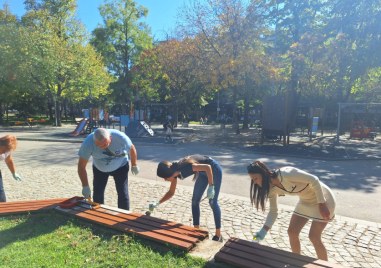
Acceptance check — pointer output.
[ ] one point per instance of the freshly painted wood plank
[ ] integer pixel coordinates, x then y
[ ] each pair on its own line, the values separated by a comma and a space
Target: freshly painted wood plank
171, 233
15, 207
125, 227
132, 223
150, 223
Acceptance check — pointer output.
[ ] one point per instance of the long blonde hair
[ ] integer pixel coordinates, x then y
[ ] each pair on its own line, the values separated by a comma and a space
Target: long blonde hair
9, 142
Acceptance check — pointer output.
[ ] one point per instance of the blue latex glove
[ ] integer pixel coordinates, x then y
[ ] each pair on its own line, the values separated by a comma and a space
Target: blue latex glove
260, 235
16, 176
153, 205
86, 192
210, 193
135, 170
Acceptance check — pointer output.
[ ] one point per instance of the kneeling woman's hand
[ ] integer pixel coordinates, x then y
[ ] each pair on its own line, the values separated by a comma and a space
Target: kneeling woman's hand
260, 235
210, 194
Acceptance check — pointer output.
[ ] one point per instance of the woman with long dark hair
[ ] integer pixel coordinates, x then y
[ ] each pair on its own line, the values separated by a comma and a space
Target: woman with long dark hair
207, 173
316, 202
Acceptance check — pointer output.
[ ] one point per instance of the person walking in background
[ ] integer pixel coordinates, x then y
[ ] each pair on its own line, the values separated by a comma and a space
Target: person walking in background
207, 173
8, 144
316, 202
168, 131
111, 151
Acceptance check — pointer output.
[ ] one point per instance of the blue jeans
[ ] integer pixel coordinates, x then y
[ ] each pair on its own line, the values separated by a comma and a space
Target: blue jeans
198, 190
121, 183
2, 192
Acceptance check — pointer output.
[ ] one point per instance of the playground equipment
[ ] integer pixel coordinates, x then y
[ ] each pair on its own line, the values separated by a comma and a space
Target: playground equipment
80, 129
139, 129
360, 131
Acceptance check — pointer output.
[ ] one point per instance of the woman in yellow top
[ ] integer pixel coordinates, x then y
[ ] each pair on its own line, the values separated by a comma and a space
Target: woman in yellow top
8, 144
316, 202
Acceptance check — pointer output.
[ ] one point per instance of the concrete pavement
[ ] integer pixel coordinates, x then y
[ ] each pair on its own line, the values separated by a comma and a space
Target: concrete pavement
350, 242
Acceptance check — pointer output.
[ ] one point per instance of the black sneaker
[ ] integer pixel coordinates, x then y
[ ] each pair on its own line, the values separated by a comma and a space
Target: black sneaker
217, 238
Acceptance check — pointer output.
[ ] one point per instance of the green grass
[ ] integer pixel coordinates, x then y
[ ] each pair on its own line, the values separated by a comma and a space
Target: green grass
54, 240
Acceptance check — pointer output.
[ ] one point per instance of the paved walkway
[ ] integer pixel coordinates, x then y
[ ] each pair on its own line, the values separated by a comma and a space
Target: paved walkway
350, 242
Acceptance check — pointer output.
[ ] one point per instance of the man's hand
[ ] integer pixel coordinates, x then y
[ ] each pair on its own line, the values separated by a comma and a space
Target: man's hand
86, 192
135, 170
16, 176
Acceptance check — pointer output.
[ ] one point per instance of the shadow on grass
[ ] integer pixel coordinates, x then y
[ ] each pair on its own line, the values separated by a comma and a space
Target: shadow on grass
27, 226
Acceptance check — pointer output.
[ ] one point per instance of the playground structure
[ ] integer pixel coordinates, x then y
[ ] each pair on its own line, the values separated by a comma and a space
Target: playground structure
363, 120
80, 129
95, 118
361, 131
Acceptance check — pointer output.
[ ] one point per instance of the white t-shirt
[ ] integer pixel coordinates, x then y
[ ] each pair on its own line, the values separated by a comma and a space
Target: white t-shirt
110, 159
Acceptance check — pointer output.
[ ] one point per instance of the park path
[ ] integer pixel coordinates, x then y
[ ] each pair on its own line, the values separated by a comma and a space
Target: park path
49, 171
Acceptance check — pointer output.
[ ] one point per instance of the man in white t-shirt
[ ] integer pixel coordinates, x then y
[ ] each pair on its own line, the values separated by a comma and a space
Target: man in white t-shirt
111, 151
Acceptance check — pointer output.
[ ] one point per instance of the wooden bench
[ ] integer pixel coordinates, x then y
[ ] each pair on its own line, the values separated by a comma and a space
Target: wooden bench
162, 231
17, 207
242, 253
170, 233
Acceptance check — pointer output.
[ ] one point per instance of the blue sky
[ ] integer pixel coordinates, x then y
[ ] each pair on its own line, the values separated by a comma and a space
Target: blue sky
161, 16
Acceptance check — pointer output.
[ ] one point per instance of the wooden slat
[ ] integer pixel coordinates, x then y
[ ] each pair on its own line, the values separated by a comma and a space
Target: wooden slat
172, 233
243, 253
236, 261
280, 253
152, 223
42, 201
202, 234
7, 208
261, 258
88, 214
132, 223
175, 234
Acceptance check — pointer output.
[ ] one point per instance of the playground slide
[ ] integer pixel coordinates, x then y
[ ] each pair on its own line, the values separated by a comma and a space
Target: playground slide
80, 128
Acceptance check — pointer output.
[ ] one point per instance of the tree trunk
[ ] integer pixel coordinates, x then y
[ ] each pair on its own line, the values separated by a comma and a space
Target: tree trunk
50, 107
246, 110
235, 114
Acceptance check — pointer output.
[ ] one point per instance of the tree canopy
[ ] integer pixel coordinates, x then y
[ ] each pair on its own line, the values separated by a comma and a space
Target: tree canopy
240, 50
